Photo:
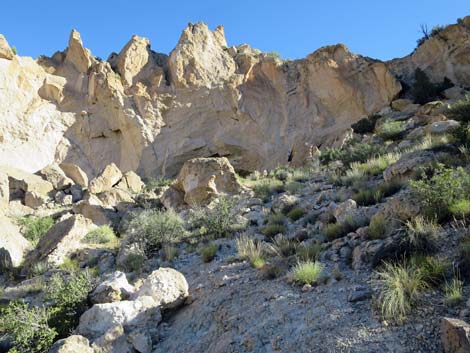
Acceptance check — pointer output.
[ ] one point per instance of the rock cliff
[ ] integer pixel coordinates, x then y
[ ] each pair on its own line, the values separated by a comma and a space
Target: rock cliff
150, 112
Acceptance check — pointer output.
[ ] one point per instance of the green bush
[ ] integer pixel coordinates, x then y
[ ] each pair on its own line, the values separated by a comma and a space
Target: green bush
453, 292
437, 193
69, 298
36, 228
296, 213
401, 287
360, 152
282, 246
27, 327
101, 235
460, 209
366, 125
433, 270
333, 231
309, 252
265, 188
208, 252
294, 187
391, 130
329, 155
153, 183
134, 262
423, 90
307, 272
460, 110
367, 197
378, 227
169, 252
216, 222
251, 250
277, 218
152, 229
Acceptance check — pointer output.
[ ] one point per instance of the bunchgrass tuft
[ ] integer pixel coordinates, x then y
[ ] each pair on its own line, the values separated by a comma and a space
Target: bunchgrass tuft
208, 252
307, 272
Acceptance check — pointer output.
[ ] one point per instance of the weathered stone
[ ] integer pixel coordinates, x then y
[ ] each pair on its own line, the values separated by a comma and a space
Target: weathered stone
443, 127
14, 245
109, 177
34, 200
77, 55
360, 293
55, 175
406, 165
21, 182
117, 198
4, 190
201, 179
5, 50
53, 88
131, 181
91, 207
433, 108
284, 203
61, 240
166, 286
345, 210
72, 344
75, 173
401, 104
115, 288
455, 336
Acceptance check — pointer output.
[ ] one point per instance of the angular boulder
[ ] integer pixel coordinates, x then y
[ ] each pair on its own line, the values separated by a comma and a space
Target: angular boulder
91, 207
75, 173
4, 190
13, 246
109, 177
56, 176
62, 239
115, 288
72, 344
455, 336
21, 182
5, 50
131, 181
200, 179
166, 286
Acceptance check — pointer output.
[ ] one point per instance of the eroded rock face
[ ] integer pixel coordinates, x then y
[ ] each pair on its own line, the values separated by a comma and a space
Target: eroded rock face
72, 344
149, 113
455, 335
5, 50
13, 246
109, 177
443, 55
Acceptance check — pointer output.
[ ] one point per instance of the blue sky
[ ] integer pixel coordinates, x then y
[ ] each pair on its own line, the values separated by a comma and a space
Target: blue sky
295, 28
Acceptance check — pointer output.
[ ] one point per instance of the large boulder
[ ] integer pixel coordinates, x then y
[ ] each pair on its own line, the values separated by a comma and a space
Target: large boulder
200, 179
166, 286
72, 344
13, 246
21, 182
61, 240
408, 164
455, 336
109, 177
131, 181
91, 207
75, 173
113, 289
55, 175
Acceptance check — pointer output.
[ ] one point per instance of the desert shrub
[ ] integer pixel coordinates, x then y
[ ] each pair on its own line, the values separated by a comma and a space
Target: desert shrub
294, 187
282, 246
170, 252
296, 213
69, 265
307, 272
274, 54
14, 50
265, 188
367, 197
360, 152
216, 222
133, 262
453, 292
329, 155
433, 270
276, 218
151, 229
153, 183
423, 90
101, 235
436, 30
69, 300
421, 234
460, 209
460, 110
389, 188
251, 250
391, 130
437, 193
28, 328
378, 227
401, 287
271, 230
461, 135
333, 231
366, 125
38, 269
208, 252
35, 228
309, 252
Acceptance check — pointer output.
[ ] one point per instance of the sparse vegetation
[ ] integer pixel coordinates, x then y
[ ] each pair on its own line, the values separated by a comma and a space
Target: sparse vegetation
101, 235
391, 130
134, 262
251, 250
151, 229
265, 188
401, 287
35, 228
170, 252
282, 246
208, 252
216, 222
333, 231
453, 292
307, 272
296, 213
378, 227
28, 328
309, 252
460, 110
422, 234
152, 183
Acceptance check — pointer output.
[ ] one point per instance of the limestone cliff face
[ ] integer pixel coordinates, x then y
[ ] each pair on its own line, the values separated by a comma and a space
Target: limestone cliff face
150, 112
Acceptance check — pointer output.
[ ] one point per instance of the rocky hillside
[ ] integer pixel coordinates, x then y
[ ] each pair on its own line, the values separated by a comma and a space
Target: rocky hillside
150, 112
222, 200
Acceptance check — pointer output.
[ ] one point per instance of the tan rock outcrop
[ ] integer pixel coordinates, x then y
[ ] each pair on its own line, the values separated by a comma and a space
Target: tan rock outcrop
109, 177
4, 190
455, 335
61, 240
77, 55
75, 173
5, 50
21, 182
13, 246
443, 55
131, 181
200, 179
55, 175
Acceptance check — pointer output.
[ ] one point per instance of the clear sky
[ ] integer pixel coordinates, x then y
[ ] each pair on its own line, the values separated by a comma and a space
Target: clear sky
377, 28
